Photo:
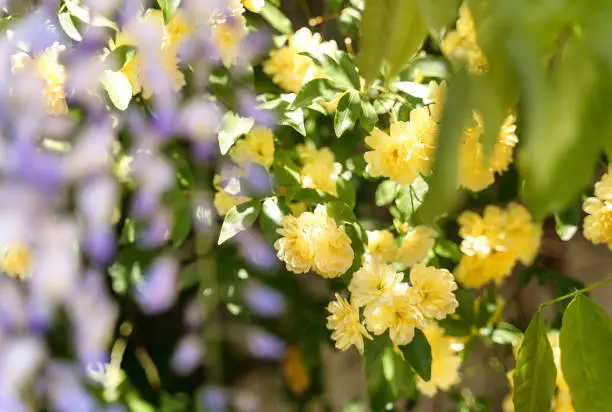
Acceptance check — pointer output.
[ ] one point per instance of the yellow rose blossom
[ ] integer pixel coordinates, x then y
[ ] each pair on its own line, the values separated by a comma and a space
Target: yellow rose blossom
254, 5
290, 69
319, 169
438, 97
313, 241
597, 225
461, 43
399, 317
475, 172
493, 243
224, 201
345, 323
406, 151
256, 147
415, 245
381, 245
445, 362
16, 260
431, 291
374, 281
47, 67
228, 35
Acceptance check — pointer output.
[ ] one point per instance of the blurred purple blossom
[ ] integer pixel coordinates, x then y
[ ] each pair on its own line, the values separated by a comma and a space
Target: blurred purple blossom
264, 345
158, 290
256, 250
264, 301
188, 354
214, 399
66, 391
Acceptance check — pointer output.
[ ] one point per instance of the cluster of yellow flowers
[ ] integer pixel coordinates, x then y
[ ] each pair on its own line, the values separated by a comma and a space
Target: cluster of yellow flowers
230, 29
319, 168
598, 224
413, 248
562, 401
172, 35
493, 243
47, 67
314, 241
16, 260
389, 304
445, 361
290, 69
408, 149
256, 147
461, 43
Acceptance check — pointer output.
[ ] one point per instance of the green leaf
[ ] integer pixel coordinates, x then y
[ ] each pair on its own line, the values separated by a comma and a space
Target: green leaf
568, 222
346, 191
443, 182
286, 171
121, 56
272, 212
420, 91
193, 273
182, 213
386, 192
418, 354
535, 373
65, 20
239, 218
437, 14
276, 19
78, 11
350, 71
373, 348
447, 249
168, 8
410, 197
375, 26
232, 127
349, 109
313, 196
368, 117
506, 334
118, 87
314, 89
295, 120
586, 358
341, 213
407, 35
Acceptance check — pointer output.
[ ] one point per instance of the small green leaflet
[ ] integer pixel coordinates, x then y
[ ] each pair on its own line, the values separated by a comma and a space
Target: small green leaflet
65, 20
535, 374
314, 89
347, 114
121, 56
239, 218
276, 18
418, 354
386, 192
118, 87
168, 8
586, 358
232, 127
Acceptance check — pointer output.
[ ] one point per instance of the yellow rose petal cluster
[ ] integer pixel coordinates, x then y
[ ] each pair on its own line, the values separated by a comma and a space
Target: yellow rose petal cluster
346, 325
461, 43
406, 151
256, 147
381, 245
313, 241
389, 304
16, 260
445, 361
562, 401
319, 168
476, 172
598, 224
290, 69
228, 33
494, 242
413, 247
47, 67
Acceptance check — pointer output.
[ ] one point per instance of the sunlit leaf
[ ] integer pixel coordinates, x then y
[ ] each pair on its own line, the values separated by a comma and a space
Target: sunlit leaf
238, 219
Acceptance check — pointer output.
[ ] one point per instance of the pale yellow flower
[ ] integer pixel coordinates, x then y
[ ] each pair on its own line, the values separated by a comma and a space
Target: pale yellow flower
399, 317
563, 402
381, 245
228, 35
319, 169
523, 235
597, 225
438, 97
415, 245
16, 260
254, 5
47, 67
406, 151
256, 147
445, 362
224, 201
345, 323
431, 291
476, 271
314, 241
475, 172
461, 43
290, 69
374, 281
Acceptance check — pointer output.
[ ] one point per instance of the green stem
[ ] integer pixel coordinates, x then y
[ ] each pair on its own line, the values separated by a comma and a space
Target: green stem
574, 293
